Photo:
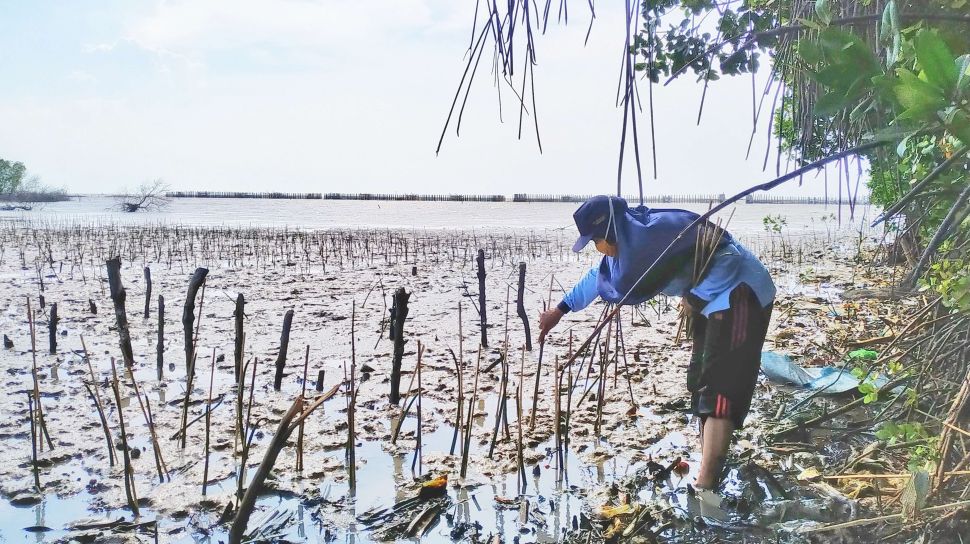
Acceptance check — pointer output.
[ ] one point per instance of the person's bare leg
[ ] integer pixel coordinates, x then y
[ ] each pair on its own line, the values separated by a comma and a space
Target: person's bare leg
715, 440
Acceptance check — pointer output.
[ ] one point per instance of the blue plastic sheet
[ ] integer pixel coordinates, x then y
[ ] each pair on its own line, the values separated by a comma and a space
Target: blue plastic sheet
779, 368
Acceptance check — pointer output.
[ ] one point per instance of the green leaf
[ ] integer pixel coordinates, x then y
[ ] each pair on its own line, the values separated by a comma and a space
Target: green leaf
963, 72
916, 96
830, 104
809, 51
915, 493
936, 60
886, 28
809, 24
863, 355
824, 11
960, 127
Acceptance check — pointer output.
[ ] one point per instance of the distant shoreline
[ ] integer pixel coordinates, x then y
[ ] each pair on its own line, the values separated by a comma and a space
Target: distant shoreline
518, 198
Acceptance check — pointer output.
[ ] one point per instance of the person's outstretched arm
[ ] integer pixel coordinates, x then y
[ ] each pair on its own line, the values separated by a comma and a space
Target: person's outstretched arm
581, 296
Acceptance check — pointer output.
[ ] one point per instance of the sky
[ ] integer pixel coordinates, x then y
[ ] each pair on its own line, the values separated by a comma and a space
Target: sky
340, 96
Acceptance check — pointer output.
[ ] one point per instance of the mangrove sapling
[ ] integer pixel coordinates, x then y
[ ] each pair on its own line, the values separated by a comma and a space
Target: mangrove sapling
297, 413
130, 492
284, 346
96, 397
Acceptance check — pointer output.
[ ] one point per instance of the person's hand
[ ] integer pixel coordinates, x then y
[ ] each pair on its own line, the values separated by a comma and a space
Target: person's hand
547, 320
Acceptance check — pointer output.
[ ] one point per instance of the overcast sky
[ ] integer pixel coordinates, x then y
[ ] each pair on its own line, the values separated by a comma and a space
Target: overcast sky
336, 95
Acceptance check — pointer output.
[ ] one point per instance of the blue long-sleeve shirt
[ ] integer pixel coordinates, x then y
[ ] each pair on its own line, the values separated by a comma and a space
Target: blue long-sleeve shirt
732, 265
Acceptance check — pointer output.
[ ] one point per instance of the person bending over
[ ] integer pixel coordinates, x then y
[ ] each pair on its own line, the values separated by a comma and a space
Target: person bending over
730, 305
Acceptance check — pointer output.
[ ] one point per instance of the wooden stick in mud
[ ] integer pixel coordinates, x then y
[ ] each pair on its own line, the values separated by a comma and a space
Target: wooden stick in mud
299, 434
482, 314
352, 406
93, 391
125, 454
188, 315
52, 320
418, 456
205, 468
238, 314
399, 313
290, 421
33, 442
535, 392
148, 290
33, 371
156, 447
244, 455
160, 344
189, 380
284, 345
471, 415
520, 307
118, 296
520, 456
459, 363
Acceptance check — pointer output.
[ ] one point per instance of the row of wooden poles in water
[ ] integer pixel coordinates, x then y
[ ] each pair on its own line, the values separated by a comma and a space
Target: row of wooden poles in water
245, 429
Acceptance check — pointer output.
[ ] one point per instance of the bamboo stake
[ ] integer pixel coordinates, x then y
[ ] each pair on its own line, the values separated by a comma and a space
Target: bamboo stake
93, 391
208, 420
471, 415
299, 434
38, 406
418, 455
125, 454
33, 442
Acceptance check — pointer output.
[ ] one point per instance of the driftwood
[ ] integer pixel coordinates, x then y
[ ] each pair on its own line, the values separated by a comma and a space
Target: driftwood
482, 314
148, 290
52, 328
284, 345
399, 312
118, 296
520, 307
289, 422
188, 315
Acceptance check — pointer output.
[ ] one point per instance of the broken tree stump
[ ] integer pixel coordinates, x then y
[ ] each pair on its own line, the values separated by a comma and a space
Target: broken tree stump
399, 312
482, 316
92, 307
148, 290
238, 353
284, 344
118, 296
520, 307
188, 314
52, 328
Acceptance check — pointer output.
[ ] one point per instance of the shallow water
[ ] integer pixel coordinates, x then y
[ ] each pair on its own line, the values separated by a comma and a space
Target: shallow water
802, 219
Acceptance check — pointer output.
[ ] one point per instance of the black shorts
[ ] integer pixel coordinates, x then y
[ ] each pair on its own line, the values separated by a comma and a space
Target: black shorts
727, 356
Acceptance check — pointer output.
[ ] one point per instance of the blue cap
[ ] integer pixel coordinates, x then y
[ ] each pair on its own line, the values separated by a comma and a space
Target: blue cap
595, 217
